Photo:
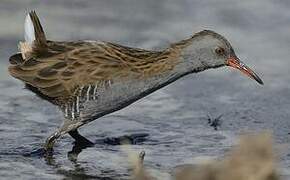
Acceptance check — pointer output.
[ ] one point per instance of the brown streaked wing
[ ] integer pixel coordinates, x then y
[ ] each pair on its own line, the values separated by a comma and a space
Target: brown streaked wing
70, 65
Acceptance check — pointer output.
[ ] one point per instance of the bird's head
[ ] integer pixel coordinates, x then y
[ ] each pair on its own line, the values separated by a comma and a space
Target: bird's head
208, 49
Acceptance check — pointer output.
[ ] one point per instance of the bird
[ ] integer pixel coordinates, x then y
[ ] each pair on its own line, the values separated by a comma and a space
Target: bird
90, 79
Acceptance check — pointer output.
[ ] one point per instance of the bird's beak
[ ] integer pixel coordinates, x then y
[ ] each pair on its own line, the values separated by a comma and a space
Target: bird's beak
236, 63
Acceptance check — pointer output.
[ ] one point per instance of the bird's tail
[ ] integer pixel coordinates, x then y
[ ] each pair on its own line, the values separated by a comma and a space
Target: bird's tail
35, 40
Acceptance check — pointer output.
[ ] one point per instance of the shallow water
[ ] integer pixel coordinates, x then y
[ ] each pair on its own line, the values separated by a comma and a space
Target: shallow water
176, 116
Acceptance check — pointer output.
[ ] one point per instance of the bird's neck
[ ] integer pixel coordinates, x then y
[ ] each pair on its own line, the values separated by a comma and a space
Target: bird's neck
190, 60
182, 60
180, 63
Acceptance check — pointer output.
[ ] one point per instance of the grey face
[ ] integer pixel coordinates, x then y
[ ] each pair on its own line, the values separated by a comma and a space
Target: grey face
211, 50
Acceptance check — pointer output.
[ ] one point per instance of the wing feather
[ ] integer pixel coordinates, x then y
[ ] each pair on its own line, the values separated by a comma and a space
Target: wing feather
61, 74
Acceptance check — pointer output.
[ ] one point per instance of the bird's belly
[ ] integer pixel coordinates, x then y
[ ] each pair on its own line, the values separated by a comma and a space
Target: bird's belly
116, 97
120, 94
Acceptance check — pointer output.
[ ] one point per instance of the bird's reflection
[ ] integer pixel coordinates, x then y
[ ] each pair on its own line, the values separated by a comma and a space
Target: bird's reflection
83, 143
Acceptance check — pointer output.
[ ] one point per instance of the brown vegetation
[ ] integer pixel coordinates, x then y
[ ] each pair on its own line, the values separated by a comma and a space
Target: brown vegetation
251, 159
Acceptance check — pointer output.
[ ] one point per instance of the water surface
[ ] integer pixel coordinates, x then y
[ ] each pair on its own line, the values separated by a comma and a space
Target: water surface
176, 116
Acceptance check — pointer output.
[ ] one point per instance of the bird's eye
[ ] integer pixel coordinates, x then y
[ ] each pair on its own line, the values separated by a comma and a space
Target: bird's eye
220, 51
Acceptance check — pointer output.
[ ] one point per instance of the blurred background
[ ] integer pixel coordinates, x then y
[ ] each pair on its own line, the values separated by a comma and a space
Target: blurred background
176, 116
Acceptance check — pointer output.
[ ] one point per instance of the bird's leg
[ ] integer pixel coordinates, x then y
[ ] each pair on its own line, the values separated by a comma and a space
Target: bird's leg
81, 140
49, 143
80, 144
